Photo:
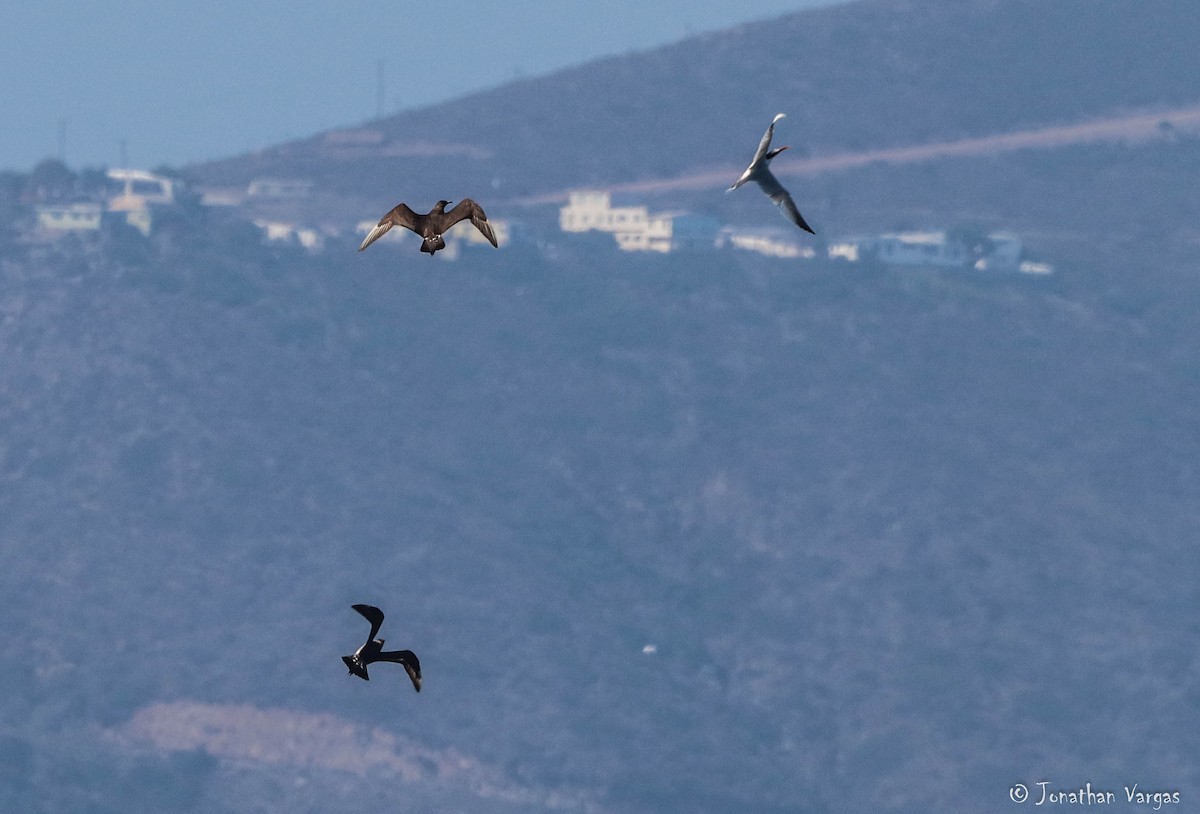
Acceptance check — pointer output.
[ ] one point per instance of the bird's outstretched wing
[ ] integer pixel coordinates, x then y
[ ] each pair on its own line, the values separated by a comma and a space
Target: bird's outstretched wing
775, 191
765, 144
409, 660
466, 208
400, 215
373, 615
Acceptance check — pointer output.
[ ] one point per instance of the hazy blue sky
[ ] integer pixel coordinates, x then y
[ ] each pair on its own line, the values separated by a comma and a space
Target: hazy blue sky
183, 82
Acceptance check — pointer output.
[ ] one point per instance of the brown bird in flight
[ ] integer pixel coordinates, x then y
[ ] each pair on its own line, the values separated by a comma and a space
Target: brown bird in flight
373, 651
433, 225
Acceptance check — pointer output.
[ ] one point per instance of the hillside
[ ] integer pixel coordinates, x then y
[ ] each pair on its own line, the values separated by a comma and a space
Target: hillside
710, 532
876, 526
865, 75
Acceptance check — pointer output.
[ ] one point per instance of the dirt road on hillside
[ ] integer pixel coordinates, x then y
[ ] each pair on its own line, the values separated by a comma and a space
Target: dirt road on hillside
1137, 127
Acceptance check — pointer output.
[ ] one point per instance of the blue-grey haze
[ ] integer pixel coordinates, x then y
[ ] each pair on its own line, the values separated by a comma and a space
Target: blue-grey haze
177, 83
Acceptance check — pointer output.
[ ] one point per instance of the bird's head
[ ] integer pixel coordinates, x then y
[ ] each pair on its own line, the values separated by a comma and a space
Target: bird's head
441, 206
773, 153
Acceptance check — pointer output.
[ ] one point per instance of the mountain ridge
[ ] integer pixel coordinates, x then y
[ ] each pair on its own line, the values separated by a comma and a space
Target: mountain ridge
861, 76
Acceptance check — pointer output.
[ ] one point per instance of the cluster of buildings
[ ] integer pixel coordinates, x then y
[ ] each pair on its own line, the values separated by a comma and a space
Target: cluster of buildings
996, 251
633, 227
134, 196
637, 229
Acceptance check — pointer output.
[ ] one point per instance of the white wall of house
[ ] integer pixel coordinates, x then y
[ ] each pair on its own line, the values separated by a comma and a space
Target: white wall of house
79, 217
593, 211
903, 249
937, 249
634, 228
920, 249
1005, 253
771, 241
281, 232
140, 188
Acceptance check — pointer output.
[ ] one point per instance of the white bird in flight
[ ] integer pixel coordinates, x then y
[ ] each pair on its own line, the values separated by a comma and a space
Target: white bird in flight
760, 173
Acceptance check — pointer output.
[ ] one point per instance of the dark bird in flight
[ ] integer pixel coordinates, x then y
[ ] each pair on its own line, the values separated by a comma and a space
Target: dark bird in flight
760, 173
373, 651
433, 225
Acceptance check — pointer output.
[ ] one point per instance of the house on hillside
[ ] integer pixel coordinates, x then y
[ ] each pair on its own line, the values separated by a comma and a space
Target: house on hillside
141, 188
140, 191
289, 233
63, 218
1006, 252
904, 249
131, 198
1003, 251
998, 251
773, 241
588, 211
635, 228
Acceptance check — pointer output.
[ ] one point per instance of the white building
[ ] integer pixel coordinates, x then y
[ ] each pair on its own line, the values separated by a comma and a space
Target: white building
635, 228
588, 211
903, 249
1006, 253
76, 217
282, 232
773, 241
1003, 251
140, 189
